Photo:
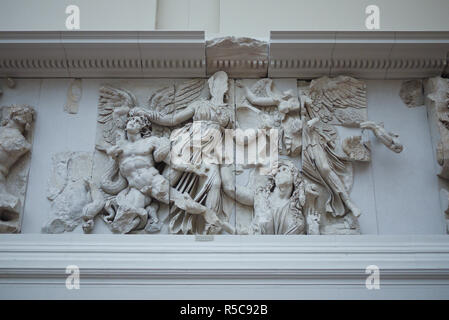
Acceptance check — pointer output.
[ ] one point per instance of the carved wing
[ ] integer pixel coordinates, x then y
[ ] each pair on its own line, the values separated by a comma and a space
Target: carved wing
169, 99
337, 97
340, 92
114, 105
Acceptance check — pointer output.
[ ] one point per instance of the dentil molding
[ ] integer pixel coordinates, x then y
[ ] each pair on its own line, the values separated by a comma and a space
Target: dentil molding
103, 54
174, 54
368, 55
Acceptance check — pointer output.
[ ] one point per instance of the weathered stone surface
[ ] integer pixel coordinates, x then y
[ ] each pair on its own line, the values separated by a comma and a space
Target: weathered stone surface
239, 57
412, 93
356, 150
67, 190
15, 145
74, 93
388, 139
11, 83
156, 170
338, 101
437, 102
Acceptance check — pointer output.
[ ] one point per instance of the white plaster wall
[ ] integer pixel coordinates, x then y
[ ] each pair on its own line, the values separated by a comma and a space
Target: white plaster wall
254, 18
98, 15
189, 15
405, 185
398, 193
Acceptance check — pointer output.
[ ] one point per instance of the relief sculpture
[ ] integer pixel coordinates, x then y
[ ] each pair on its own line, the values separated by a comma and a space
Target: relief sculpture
224, 156
139, 177
437, 102
15, 146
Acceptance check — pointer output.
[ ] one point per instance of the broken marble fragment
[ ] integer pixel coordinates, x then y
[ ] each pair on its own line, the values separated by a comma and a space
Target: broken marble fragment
67, 190
74, 93
11, 83
15, 145
412, 93
239, 57
356, 150
389, 139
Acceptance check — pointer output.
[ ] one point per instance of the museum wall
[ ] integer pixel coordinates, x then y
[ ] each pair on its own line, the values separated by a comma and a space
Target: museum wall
250, 18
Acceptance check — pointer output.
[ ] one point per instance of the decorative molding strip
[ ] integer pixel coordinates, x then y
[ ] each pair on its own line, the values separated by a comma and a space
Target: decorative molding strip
368, 55
150, 265
183, 54
151, 54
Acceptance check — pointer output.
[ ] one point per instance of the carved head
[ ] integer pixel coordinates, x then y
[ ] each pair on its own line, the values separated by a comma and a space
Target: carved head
22, 115
285, 175
218, 87
138, 124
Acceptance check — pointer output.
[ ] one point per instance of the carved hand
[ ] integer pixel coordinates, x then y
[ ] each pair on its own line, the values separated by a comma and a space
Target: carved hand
368, 125
312, 191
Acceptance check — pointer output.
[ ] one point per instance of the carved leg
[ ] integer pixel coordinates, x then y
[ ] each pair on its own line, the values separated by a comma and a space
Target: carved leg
91, 210
9, 212
153, 225
337, 186
351, 206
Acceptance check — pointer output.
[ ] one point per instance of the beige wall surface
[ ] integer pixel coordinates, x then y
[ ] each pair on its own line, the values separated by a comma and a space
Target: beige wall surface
226, 17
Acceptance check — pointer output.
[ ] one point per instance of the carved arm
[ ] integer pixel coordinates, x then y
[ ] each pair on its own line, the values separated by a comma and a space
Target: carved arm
258, 101
168, 120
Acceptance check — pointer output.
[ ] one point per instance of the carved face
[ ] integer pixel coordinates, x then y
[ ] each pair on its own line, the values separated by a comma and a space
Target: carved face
283, 178
135, 125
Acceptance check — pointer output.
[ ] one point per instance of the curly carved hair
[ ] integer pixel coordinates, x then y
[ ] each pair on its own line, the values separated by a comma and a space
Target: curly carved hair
146, 129
25, 111
298, 186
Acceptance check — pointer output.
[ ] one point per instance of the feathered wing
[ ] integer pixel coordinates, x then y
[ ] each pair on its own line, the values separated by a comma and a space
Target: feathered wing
333, 97
114, 99
345, 92
171, 98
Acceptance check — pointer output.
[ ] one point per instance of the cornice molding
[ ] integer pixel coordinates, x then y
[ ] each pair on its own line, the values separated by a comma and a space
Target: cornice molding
183, 54
151, 54
367, 55
296, 265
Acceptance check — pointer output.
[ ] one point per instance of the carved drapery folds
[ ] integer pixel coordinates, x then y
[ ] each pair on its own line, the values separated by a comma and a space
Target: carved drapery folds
247, 156
15, 145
